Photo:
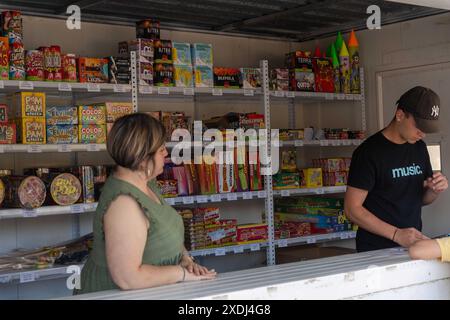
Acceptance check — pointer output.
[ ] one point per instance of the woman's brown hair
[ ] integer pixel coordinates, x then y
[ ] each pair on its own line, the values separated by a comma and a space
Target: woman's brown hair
135, 138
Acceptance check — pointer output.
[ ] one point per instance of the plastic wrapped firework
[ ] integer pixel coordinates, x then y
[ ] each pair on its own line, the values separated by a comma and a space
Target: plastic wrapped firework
12, 26
34, 60
4, 58
69, 67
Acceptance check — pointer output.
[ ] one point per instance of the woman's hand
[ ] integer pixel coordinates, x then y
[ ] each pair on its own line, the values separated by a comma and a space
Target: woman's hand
192, 267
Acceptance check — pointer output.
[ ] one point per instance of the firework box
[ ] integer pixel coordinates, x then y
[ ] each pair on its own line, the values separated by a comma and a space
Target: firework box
249, 233
299, 60
29, 104
181, 53
31, 130
3, 113
115, 110
286, 180
227, 78
144, 49
59, 115
184, 76
203, 77
163, 75
119, 70
145, 73
312, 178
323, 74
163, 51
7, 133
62, 134
251, 78
92, 133
301, 80
93, 114
93, 70
202, 54
4, 58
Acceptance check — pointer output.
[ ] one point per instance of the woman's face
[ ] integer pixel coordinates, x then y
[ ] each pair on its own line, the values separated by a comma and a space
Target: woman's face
160, 155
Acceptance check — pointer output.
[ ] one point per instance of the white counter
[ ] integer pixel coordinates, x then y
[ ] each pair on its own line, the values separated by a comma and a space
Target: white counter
383, 274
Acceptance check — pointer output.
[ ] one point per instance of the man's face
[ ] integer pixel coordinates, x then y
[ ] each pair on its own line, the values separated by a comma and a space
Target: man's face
407, 128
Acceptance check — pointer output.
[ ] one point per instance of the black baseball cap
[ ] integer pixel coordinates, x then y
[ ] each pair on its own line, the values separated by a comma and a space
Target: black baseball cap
423, 103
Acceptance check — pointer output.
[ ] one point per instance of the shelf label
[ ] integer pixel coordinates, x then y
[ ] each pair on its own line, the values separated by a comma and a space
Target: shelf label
255, 247
64, 86
93, 147
311, 240
217, 92
119, 88
232, 196
2, 84
163, 90
335, 143
349, 97
319, 190
145, 89
247, 195
262, 194
93, 87
90, 207
188, 91
170, 201
29, 213
282, 243
202, 199
220, 252
329, 96
290, 94
5, 279
77, 208
249, 92
64, 148
239, 249
356, 142
347, 142
344, 236
298, 143
278, 94
285, 193
323, 143
26, 85
341, 96
34, 148
2, 149
27, 277
188, 200
216, 198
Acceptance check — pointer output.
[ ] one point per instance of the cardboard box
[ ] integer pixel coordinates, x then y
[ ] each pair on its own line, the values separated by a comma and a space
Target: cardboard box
145, 73
7, 133
31, 130
115, 110
203, 77
250, 233
163, 75
29, 104
144, 49
92, 114
181, 53
58, 115
4, 58
184, 76
301, 80
251, 78
92, 133
202, 54
299, 60
227, 78
323, 75
312, 178
3, 113
93, 70
62, 134
163, 51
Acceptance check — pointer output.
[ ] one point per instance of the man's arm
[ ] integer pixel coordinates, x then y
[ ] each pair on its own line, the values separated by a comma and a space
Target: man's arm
433, 186
355, 211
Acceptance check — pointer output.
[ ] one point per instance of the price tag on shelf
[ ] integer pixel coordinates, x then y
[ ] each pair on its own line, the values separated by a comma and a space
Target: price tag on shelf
188, 91
262, 194
34, 148
27, 277
90, 207
188, 200
146, 89
119, 88
298, 143
26, 85
247, 195
279, 94
202, 199
323, 143
216, 198
341, 96
219, 252
290, 94
64, 86
285, 193
93, 87
249, 92
93, 147
311, 240
347, 142
329, 96
170, 201
349, 97
77, 208
231, 196
319, 190
335, 143
64, 148
29, 213
356, 142
2, 84
5, 279
163, 90
255, 247
217, 92
282, 243
238, 249
2, 149
344, 235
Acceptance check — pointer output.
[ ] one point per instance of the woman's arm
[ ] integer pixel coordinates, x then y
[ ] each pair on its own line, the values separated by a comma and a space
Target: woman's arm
425, 249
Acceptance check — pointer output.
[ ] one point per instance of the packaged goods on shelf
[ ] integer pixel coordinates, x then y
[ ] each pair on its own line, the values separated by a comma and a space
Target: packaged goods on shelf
69, 67
226, 177
115, 110
286, 180
34, 60
65, 189
207, 176
311, 177
148, 29
251, 78
192, 177
254, 173
291, 134
163, 51
323, 75
202, 54
163, 75
59, 115
144, 49
8, 133
173, 121
168, 188
184, 76
181, 53
288, 161
119, 69
92, 114
337, 178
179, 175
203, 77
12, 26
301, 75
292, 229
3, 113
53, 70
88, 184
24, 192
241, 170
332, 164
92, 133
29, 104
93, 70
251, 233
62, 134
31, 130
279, 79
227, 78
4, 58
145, 73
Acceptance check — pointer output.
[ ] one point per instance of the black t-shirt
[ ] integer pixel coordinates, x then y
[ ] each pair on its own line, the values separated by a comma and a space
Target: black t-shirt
393, 175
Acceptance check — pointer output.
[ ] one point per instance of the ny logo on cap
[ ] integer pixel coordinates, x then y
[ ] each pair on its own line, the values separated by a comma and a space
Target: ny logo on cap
435, 111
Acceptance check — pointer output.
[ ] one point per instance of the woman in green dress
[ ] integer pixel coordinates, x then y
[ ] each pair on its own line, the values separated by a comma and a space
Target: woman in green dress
138, 237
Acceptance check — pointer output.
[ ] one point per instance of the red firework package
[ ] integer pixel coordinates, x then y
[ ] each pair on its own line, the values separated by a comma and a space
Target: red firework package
69, 67
4, 58
93, 70
34, 65
323, 74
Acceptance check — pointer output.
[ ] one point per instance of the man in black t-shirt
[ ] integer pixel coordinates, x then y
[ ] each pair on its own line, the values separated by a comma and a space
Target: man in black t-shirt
390, 176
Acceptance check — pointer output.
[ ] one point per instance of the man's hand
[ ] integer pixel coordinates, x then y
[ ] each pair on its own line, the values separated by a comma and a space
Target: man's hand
438, 183
408, 236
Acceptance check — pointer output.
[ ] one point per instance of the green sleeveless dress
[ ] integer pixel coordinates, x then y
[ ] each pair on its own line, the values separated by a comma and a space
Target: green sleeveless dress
165, 237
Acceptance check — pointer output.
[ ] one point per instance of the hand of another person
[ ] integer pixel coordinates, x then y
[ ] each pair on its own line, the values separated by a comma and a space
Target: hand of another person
408, 236
438, 183
192, 267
